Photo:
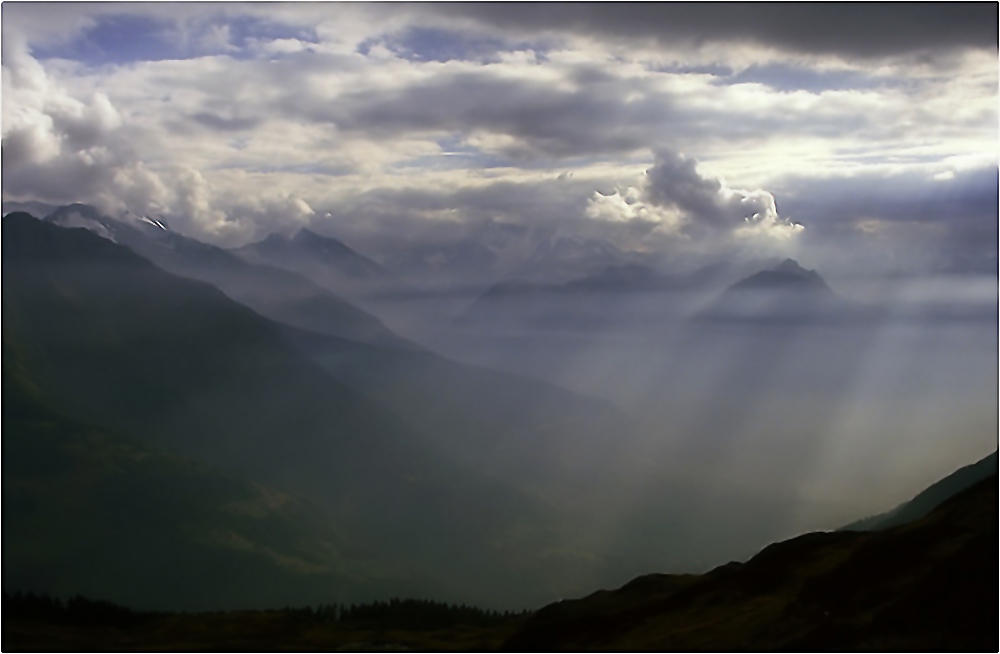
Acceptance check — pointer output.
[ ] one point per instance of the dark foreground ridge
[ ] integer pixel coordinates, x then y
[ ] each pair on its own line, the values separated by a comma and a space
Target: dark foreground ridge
41, 623
925, 586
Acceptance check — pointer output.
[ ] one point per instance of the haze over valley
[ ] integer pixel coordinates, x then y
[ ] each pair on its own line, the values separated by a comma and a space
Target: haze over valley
495, 305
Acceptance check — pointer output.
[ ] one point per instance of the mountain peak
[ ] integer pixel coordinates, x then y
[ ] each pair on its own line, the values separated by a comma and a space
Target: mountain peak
272, 239
785, 292
791, 266
785, 274
324, 244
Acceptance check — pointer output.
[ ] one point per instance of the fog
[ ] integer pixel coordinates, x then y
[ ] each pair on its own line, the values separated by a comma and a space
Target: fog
584, 431
542, 255
751, 430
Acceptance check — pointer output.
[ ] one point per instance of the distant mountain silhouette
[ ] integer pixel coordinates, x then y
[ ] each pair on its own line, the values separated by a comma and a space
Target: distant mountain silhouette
118, 343
121, 342
520, 429
625, 295
930, 498
273, 292
523, 431
325, 260
785, 293
788, 273
928, 586
499, 251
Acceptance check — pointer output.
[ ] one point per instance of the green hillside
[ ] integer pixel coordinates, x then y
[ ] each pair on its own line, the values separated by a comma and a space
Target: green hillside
86, 510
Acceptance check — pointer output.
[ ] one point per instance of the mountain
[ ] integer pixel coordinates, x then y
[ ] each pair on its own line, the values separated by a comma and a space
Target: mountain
497, 251
118, 343
787, 274
324, 260
559, 258
494, 422
275, 293
445, 266
930, 498
34, 208
927, 586
619, 296
537, 436
785, 293
86, 510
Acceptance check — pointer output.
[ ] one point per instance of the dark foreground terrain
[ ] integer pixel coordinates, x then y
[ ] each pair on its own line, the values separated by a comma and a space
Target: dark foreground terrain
925, 586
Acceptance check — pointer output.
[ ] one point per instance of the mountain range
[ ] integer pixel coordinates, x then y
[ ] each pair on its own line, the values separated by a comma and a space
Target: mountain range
760, 291
229, 411
276, 293
324, 259
121, 344
922, 585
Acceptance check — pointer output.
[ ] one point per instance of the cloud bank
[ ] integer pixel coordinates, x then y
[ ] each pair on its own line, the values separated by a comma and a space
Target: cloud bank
399, 122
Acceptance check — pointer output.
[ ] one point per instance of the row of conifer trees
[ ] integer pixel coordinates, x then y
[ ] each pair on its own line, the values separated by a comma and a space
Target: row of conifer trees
395, 613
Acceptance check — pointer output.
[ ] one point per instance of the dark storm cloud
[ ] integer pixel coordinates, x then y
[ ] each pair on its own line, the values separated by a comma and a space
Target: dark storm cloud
911, 197
848, 29
955, 219
674, 180
546, 119
599, 113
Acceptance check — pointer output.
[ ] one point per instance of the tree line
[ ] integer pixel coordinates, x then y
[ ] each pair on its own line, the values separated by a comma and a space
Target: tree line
411, 614
415, 614
74, 610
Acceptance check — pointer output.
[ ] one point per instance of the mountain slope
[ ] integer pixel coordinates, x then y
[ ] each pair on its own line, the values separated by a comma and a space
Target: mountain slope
89, 511
119, 343
785, 293
275, 293
322, 259
930, 498
620, 296
928, 586
527, 432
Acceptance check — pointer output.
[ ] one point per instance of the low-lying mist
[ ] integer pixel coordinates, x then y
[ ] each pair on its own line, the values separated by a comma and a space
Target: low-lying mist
748, 431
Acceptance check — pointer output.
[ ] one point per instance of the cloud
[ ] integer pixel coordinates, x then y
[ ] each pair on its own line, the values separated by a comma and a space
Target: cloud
64, 149
55, 145
853, 30
699, 211
396, 118
901, 221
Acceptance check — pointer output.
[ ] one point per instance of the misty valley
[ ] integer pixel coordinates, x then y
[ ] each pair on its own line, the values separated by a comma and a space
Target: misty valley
291, 423
474, 326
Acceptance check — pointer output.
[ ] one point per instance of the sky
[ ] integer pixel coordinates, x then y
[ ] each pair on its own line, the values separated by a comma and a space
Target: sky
858, 137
